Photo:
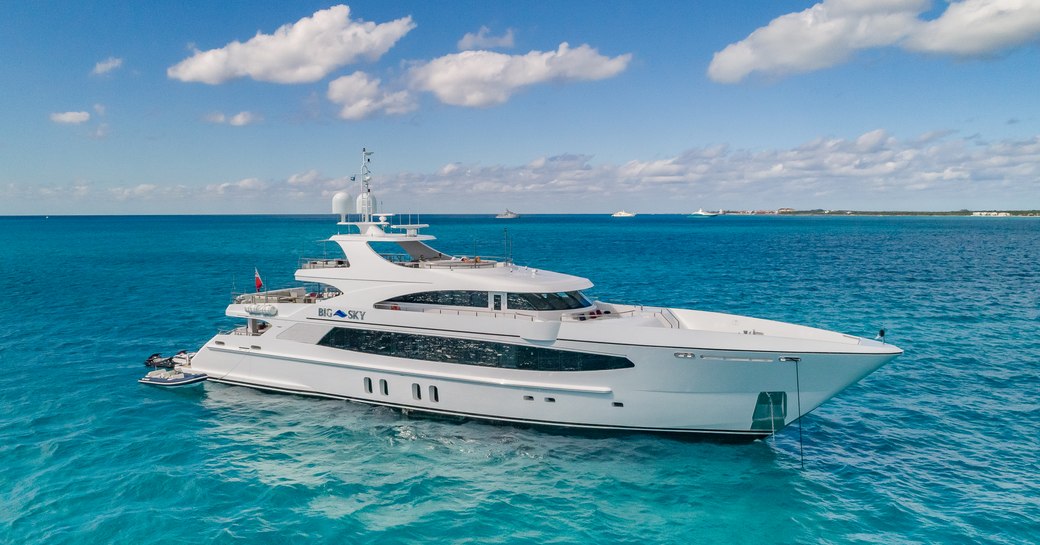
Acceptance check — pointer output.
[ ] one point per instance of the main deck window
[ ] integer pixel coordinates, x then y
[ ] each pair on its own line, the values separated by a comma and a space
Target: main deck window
468, 352
564, 300
456, 298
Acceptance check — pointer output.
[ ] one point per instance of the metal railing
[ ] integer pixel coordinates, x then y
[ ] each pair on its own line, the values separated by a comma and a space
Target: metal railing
323, 263
296, 294
458, 312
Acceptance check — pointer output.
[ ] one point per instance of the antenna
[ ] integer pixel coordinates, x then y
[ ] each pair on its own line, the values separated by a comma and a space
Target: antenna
366, 202
507, 245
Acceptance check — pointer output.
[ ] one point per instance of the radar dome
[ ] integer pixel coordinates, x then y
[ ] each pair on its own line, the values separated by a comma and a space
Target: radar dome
341, 205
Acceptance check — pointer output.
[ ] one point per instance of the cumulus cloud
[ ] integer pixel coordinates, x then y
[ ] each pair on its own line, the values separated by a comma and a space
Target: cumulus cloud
831, 32
303, 52
140, 191
107, 65
240, 119
874, 170
72, 118
485, 78
979, 27
247, 186
361, 96
483, 39
819, 37
243, 118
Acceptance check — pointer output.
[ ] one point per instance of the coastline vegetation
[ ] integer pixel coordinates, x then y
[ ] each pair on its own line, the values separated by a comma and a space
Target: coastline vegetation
963, 212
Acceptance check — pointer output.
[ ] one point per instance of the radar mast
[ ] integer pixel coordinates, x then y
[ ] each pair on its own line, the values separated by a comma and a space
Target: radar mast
366, 202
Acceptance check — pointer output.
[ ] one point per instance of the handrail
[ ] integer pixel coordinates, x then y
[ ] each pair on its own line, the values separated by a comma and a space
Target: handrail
323, 263
457, 312
307, 293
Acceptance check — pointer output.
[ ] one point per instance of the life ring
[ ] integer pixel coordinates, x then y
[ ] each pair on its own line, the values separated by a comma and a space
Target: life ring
395, 307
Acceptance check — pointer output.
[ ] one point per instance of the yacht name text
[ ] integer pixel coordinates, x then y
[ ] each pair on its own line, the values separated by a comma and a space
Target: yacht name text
358, 315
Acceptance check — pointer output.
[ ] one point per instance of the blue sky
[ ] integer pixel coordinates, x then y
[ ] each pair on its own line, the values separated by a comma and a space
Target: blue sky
540, 107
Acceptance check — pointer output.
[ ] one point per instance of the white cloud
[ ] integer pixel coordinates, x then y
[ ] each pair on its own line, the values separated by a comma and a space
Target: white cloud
830, 32
485, 78
874, 170
304, 178
305, 51
240, 119
819, 37
361, 97
140, 191
245, 186
72, 118
484, 40
979, 27
100, 132
106, 66
243, 118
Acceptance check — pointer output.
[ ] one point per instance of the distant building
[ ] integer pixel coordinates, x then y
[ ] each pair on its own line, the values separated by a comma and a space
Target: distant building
785, 210
992, 214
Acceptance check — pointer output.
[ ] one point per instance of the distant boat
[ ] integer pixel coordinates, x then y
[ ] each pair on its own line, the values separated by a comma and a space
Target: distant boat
700, 213
623, 214
508, 215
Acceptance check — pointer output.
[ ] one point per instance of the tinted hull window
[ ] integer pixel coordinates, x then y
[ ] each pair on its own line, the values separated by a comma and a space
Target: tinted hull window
468, 352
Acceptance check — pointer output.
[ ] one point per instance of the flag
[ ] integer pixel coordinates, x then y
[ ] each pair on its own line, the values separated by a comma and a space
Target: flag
256, 279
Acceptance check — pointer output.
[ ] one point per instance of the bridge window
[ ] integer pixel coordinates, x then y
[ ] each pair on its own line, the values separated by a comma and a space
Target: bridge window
455, 298
563, 300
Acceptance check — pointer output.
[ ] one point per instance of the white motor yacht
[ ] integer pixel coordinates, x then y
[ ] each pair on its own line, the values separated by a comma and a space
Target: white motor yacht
470, 337
623, 214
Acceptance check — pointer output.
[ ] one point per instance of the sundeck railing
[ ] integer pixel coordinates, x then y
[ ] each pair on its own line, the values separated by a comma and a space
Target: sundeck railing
237, 331
323, 263
444, 262
458, 312
297, 294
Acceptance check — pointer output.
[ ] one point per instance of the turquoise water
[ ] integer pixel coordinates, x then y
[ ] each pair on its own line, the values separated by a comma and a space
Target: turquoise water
940, 446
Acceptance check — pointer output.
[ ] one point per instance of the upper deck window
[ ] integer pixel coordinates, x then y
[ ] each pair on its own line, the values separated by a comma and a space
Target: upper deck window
454, 298
569, 300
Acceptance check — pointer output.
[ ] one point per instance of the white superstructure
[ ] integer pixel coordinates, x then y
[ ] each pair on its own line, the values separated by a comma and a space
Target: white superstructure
465, 336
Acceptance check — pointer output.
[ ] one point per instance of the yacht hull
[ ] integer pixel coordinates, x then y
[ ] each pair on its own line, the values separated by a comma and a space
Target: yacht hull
673, 388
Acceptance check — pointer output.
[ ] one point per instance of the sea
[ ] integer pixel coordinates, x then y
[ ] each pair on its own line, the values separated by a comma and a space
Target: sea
942, 445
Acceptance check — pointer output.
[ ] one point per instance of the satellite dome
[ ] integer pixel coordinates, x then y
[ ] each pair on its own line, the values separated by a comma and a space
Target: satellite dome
341, 205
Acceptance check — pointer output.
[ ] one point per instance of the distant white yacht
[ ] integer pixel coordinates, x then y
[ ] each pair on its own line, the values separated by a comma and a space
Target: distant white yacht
395, 322
623, 214
700, 213
508, 215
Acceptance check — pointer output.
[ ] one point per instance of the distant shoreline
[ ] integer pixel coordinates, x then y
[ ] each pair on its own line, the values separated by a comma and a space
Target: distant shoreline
965, 213
773, 213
